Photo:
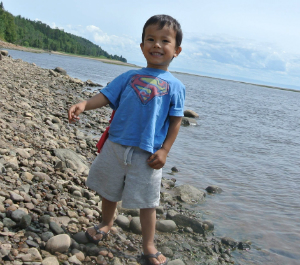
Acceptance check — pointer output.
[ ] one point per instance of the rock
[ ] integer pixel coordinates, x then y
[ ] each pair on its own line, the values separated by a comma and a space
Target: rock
59, 243
116, 261
188, 121
4, 52
135, 225
7, 222
213, 189
16, 197
45, 219
17, 215
229, 242
60, 71
69, 155
80, 238
123, 222
185, 221
50, 261
74, 260
189, 194
243, 246
190, 114
166, 226
41, 176
46, 236
55, 228
25, 221
35, 255
208, 225
178, 262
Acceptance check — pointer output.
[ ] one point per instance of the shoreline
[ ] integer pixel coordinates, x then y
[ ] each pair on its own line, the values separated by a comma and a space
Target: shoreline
44, 163
26, 49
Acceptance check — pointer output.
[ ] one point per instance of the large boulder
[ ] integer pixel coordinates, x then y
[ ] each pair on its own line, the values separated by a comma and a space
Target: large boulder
67, 155
189, 194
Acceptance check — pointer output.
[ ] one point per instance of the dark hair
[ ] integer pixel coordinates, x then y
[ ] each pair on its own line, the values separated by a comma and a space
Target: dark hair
161, 21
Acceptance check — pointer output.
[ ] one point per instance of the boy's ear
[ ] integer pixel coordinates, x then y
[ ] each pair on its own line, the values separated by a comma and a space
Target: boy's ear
177, 51
142, 46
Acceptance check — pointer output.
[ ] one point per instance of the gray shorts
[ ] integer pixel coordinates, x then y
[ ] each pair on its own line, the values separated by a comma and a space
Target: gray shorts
122, 173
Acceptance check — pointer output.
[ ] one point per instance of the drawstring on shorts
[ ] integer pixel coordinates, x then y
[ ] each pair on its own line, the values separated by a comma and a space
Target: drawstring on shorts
128, 155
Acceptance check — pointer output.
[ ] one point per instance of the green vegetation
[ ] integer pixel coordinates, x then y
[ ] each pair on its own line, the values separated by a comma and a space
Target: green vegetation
24, 32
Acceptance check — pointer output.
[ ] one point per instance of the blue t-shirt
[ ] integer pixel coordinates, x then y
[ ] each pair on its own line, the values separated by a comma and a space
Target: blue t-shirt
144, 99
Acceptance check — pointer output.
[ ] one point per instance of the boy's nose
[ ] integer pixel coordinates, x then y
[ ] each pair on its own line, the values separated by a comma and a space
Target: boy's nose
156, 44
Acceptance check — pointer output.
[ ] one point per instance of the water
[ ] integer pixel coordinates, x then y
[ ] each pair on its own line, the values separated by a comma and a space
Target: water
247, 142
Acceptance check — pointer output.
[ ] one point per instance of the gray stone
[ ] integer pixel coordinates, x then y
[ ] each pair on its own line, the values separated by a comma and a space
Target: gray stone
177, 262
46, 236
123, 222
73, 259
17, 215
188, 121
189, 194
25, 221
185, 221
41, 176
190, 114
60, 71
7, 222
229, 242
80, 238
55, 228
50, 261
135, 225
59, 243
166, 226
4, 52
213, 189
66, 154
45, 219
167, 252
16, 197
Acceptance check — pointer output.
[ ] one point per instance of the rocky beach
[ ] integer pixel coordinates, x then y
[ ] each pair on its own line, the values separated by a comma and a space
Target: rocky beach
45, 206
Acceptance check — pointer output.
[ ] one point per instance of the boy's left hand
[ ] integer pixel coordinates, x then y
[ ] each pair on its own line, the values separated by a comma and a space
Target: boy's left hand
158, 159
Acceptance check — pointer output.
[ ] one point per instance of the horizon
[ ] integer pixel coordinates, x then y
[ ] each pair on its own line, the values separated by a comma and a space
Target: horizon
249, 42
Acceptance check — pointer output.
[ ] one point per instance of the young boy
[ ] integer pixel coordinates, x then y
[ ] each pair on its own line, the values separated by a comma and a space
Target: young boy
149, 105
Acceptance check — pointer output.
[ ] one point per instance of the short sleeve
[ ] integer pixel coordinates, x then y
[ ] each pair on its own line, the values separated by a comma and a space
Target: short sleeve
114, 90
177, 102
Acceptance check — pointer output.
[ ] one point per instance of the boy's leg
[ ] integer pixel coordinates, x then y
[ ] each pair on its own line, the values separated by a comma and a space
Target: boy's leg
108, 211
148, 222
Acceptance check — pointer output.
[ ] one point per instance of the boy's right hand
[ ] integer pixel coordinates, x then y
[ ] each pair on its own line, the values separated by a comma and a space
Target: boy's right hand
75, 110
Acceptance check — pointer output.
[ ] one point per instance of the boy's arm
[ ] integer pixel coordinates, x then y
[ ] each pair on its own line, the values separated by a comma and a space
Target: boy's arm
158, 159
94, 102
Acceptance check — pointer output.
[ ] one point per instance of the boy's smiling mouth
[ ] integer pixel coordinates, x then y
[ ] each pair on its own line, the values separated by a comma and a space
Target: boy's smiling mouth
156, 53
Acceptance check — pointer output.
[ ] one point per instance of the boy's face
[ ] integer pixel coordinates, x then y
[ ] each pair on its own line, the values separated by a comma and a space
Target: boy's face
159, 47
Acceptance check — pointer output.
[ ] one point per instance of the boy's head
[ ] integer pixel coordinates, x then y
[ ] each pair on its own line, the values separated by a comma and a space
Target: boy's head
161, 40
161, 21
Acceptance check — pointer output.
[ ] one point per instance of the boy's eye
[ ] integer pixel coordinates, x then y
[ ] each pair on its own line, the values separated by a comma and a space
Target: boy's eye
167, 41
150, 39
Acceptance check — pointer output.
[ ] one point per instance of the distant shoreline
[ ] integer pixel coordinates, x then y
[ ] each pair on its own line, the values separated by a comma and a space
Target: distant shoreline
8, 45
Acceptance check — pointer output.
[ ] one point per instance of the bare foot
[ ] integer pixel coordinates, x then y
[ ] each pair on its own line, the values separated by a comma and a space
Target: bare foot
159, 260
94, 234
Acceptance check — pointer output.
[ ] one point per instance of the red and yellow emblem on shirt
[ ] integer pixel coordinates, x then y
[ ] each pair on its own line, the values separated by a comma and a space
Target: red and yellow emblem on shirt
147, 87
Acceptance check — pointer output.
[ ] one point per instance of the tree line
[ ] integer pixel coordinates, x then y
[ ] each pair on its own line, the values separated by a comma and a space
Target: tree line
28, 33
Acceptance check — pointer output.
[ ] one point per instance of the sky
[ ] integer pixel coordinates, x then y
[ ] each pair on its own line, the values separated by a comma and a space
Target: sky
245, 40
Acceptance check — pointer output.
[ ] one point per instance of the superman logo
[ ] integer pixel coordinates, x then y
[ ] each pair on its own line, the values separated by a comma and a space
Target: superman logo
147, 87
